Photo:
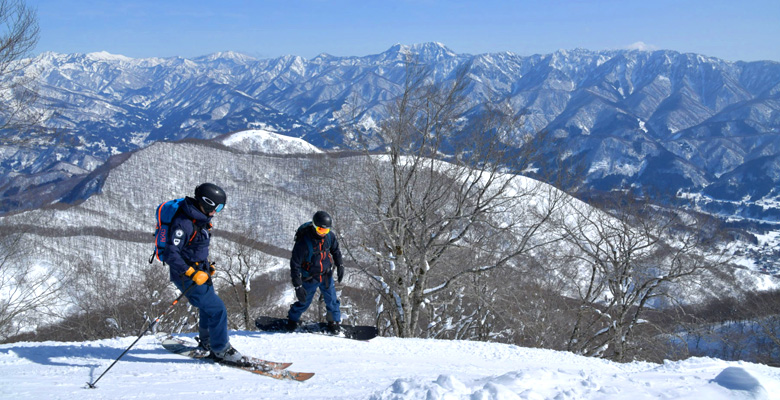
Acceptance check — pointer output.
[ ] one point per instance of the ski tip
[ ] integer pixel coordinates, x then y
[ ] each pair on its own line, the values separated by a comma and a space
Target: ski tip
304, 376
291, 375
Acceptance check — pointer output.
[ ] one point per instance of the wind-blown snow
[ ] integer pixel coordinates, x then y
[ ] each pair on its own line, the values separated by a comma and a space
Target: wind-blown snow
382, 369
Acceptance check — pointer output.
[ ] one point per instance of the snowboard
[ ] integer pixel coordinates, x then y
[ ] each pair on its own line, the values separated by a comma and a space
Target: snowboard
357, 332
276, 370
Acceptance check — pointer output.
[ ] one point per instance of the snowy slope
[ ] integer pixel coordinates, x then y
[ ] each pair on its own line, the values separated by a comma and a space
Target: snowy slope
384, 368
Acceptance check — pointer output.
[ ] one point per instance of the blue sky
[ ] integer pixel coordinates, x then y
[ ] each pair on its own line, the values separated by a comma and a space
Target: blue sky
729, 29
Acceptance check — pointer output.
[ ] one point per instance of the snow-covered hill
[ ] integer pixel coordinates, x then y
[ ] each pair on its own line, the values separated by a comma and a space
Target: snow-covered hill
263, 141
273, 182
381, 369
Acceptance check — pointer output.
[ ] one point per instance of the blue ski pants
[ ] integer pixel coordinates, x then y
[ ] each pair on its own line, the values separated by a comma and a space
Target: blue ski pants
212, 322
328, 290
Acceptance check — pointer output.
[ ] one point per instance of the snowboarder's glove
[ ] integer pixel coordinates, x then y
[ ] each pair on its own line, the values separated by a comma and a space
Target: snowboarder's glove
212, 269
296, 280
340, 272
199, 277
300, 293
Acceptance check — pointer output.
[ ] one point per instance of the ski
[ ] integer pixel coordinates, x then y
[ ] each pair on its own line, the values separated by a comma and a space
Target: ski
188, 349
356, 332
276, 370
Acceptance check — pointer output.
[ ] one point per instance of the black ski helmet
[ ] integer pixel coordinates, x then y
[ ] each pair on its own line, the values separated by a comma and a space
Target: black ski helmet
322, 220
211, 197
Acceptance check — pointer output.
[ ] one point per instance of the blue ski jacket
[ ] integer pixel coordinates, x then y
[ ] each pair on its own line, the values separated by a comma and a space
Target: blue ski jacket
188, 242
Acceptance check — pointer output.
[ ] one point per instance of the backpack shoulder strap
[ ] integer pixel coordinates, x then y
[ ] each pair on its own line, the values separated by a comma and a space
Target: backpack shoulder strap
328, 241
300, 234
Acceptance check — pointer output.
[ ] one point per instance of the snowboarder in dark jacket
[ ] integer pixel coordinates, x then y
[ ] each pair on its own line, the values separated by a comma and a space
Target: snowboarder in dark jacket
187, 255
315, 255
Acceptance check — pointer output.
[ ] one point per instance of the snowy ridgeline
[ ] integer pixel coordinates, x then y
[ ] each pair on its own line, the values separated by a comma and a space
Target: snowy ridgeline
382, 369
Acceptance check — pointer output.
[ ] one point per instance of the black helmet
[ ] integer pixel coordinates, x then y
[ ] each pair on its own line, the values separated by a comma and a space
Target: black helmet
322, 220
211, 197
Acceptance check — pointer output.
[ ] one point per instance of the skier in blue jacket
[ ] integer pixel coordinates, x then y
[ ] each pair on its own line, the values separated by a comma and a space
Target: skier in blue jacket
187, 255
315, 255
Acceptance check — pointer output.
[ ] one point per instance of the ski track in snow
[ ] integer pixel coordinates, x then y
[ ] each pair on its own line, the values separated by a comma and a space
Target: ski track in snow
382, 369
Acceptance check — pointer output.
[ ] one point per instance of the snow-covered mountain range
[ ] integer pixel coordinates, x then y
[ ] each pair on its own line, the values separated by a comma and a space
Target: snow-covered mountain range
659, 121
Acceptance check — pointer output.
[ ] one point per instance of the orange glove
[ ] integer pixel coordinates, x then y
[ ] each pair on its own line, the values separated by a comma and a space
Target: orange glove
199, 277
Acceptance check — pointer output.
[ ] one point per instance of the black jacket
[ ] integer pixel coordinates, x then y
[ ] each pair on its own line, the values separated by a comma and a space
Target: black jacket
313, 256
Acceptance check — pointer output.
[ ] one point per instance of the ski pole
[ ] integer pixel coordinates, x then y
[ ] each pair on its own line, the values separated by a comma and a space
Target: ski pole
151, 326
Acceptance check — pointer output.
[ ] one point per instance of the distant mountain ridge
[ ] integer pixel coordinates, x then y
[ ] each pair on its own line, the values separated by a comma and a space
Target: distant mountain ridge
658, 121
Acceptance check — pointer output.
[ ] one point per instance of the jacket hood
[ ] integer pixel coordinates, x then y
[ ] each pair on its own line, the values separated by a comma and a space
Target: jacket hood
192, 211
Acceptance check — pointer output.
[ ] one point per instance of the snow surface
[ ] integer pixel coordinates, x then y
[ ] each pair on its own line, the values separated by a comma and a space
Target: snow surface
381, 369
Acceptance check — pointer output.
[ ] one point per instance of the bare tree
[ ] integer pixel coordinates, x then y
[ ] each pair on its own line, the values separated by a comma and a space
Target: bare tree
431, 200
237, 266
743, 326
526, 302
769, 327
624, 263
19, 119
99, 302
27, 290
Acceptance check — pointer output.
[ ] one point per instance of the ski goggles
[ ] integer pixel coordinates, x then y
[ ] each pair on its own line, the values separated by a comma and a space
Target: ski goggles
209, 205
321, 231
218, 208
